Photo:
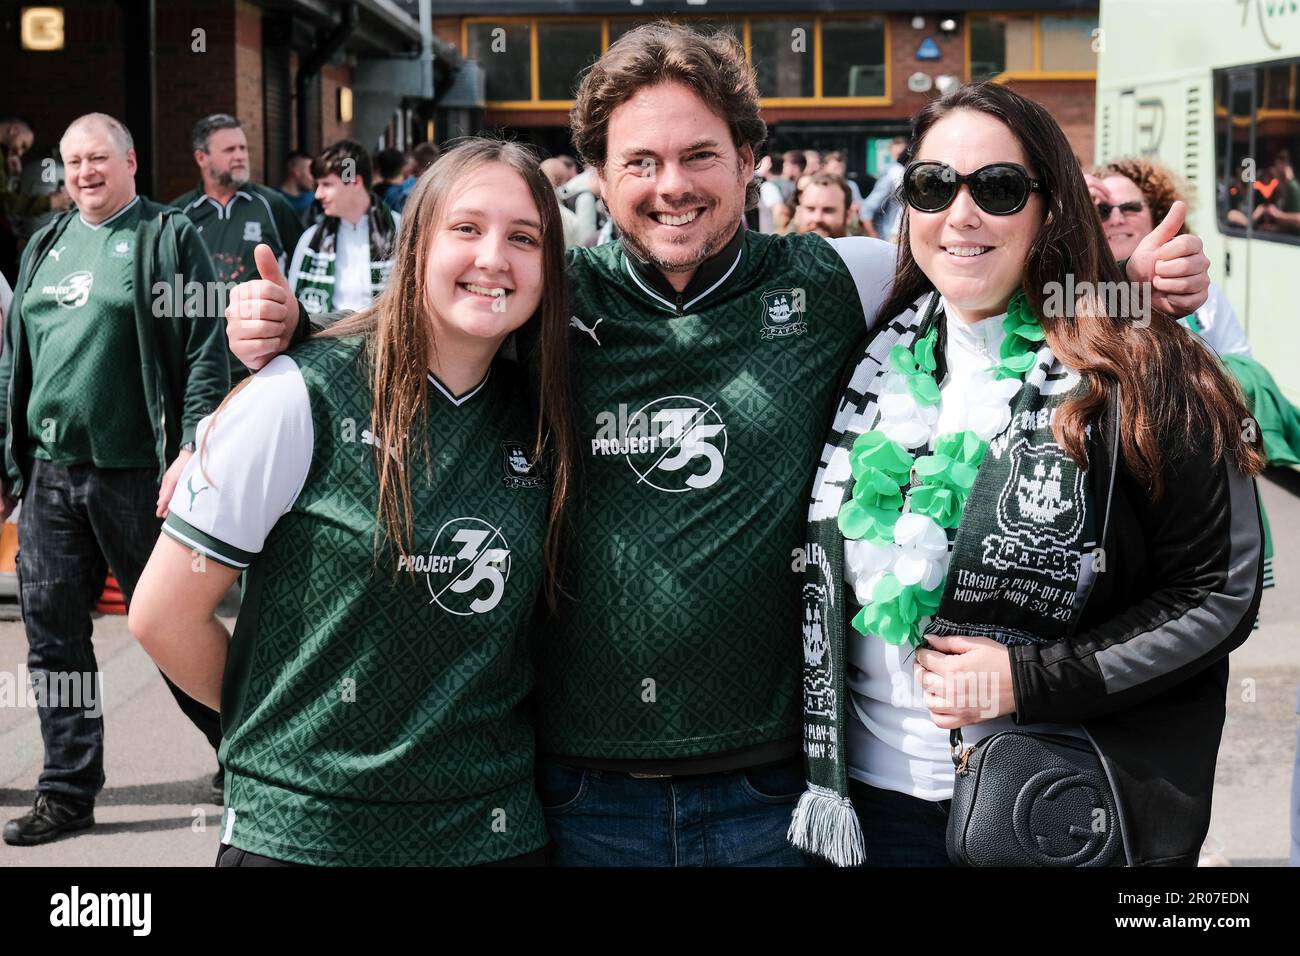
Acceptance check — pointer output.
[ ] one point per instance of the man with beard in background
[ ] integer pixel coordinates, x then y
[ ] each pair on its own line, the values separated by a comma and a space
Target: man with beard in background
231, 213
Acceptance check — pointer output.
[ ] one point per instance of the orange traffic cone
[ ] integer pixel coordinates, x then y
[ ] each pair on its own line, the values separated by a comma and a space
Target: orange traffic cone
9, 606
111, 601
9, 547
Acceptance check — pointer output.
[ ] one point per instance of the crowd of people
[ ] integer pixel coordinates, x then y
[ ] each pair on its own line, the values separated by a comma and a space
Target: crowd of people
531, 571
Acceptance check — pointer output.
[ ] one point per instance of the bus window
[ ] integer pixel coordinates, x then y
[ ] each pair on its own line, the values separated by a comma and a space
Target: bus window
1233, 108
1257, 132
1277, 139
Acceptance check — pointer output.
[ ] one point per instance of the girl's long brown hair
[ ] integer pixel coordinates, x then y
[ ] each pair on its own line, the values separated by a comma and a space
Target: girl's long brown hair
399, 341
1173, 389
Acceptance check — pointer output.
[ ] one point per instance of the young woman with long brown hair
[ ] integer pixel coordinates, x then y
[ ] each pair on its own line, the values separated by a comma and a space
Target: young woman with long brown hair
394, 494
1039, 494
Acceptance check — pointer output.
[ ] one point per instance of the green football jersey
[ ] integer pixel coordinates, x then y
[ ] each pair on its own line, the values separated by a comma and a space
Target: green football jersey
373, 704
231, 232
87, 403
253, 215
698, 429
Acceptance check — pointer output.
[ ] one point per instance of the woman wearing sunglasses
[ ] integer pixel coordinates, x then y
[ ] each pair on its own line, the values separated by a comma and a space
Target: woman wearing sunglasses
1031, 513
1131, 196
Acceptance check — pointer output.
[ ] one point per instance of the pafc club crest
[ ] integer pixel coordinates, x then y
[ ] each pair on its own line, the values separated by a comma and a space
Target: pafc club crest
315, 301
1040, 518
783, 314
520, 472
819, 686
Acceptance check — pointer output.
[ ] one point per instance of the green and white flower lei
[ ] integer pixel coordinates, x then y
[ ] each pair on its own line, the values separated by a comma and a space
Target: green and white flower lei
897, 546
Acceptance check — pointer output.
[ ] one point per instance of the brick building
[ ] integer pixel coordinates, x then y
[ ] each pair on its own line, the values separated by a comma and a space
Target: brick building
297, 72
302, 73
833, 73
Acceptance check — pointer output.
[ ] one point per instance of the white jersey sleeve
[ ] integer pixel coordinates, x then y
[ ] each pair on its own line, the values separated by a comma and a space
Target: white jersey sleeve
248, 469
1219, 325
871, 263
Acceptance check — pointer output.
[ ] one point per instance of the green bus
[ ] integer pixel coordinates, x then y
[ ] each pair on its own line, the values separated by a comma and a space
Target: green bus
1211, 88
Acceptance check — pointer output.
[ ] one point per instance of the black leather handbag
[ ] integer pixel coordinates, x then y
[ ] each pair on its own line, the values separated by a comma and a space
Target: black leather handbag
1021, 799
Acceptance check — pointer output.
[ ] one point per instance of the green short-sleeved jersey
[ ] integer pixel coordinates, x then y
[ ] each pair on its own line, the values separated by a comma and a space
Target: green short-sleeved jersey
698, 430
373, 713
87, 403
253, 215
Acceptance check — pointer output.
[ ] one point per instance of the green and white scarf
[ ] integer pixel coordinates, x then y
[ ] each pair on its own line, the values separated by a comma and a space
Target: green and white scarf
315, 286
1023, 553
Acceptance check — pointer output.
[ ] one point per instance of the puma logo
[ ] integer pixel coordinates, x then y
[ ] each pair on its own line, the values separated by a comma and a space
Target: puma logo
189, 486
576, 323
55, 253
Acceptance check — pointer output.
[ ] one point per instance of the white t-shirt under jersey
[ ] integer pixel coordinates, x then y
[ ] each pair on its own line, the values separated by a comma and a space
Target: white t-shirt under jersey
1219, 325
893, 744
352, 285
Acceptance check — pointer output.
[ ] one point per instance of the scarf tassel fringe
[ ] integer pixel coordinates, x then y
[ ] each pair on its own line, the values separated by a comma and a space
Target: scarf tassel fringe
826, 824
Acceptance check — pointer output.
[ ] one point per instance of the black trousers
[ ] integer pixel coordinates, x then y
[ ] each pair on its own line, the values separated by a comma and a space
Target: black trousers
76, 523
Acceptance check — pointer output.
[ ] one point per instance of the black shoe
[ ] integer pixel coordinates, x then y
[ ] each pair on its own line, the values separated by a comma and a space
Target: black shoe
219, 786
50, 816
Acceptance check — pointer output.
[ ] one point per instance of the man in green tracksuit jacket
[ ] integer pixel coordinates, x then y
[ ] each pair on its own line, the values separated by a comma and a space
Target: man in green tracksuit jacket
112, 355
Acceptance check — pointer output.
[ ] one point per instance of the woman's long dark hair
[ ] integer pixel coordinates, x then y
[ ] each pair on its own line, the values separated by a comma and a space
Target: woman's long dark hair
1173, 389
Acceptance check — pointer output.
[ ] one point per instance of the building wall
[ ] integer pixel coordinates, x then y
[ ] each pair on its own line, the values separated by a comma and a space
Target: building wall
331, 78
278, 117
293, 100
1071, 102
50, 89
227, 75
248, 84
191, 83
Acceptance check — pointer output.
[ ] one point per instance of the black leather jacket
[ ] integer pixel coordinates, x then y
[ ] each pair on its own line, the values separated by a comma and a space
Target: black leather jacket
1146, 672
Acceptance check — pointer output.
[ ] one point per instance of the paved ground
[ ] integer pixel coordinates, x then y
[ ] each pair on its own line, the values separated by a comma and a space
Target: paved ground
154, 809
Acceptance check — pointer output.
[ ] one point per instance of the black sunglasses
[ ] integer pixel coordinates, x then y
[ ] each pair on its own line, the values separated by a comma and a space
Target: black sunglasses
1001, 189
1125, 209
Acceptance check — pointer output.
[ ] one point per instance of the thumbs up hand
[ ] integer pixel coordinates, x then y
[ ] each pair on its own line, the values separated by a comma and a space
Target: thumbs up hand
262, 314
1175, 266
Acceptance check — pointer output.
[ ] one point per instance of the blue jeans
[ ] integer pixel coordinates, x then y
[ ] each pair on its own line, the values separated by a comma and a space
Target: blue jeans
899, 829
76, 522
608, 818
